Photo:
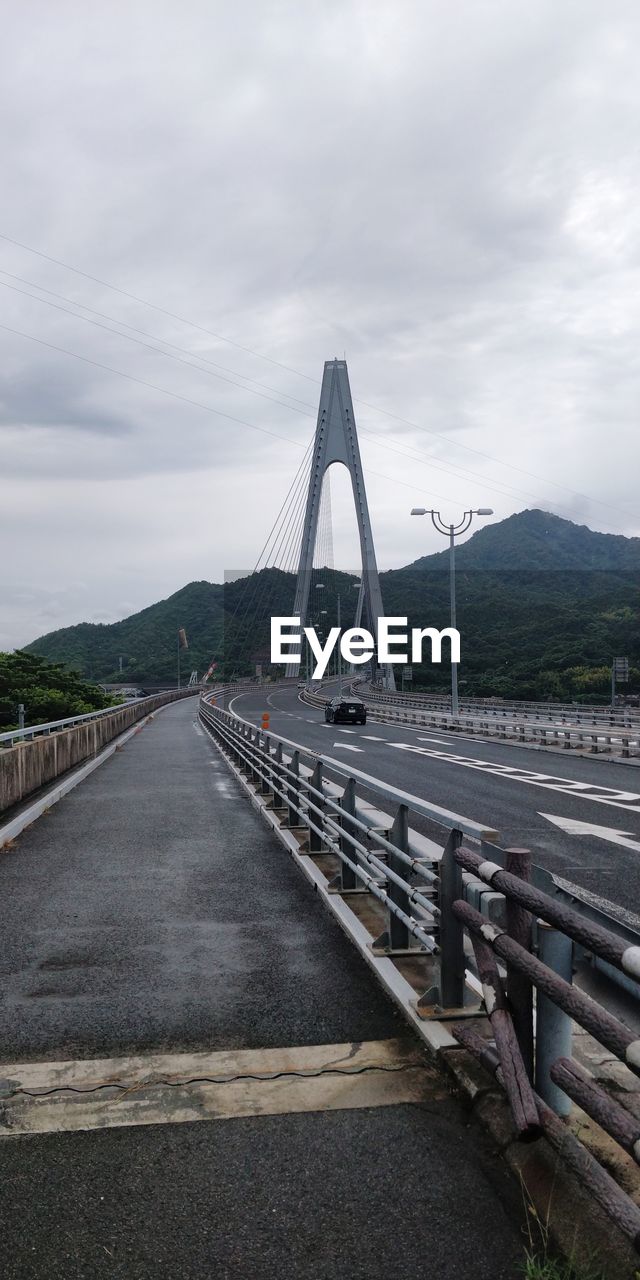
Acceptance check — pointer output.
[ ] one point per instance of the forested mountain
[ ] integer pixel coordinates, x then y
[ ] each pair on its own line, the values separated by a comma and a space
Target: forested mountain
543, 606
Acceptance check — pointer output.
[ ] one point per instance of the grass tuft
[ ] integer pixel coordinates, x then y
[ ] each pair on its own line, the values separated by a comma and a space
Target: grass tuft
540, 1266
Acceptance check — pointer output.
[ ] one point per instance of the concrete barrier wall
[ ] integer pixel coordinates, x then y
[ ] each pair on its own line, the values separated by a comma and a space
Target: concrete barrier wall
28, 766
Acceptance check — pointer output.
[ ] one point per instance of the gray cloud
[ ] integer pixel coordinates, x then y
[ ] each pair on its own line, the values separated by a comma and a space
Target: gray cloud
447, 193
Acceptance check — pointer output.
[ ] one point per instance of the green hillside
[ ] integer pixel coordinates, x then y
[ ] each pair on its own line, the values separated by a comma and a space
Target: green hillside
543, 606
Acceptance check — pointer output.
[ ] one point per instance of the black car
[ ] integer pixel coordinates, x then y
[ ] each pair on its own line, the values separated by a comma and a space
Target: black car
347, 709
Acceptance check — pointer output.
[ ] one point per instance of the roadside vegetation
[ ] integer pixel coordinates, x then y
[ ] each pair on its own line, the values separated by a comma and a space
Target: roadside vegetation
47, 690
543, 1267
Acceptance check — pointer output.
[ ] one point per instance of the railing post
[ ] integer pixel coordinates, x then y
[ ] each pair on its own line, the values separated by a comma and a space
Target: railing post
278, 798
553, 1025
519, 990
315, 841
253, 742
265, 785
452, 962
347, 877
293, 817
396, 936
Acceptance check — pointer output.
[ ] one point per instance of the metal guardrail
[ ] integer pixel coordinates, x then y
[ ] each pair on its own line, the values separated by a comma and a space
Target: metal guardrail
454, 902
599, 741
379, 853
565, 712
12, 736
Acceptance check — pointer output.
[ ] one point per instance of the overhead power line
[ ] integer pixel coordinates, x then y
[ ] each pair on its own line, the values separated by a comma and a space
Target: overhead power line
196, 362
289, 369
175, 395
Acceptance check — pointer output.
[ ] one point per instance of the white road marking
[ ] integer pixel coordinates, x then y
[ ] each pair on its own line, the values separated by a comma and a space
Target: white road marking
628, 800
575, 828
346, 746
370, 737
346, 730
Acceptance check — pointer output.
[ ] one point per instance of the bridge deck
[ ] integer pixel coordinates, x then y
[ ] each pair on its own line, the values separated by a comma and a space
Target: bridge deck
151, 913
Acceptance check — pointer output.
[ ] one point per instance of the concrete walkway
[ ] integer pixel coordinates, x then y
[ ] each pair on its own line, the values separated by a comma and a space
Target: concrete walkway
228, 1092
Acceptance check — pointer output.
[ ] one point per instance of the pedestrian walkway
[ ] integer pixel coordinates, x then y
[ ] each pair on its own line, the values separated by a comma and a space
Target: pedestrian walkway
198, 1074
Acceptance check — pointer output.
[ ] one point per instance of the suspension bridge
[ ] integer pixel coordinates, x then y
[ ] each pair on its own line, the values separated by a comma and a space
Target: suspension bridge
248, 956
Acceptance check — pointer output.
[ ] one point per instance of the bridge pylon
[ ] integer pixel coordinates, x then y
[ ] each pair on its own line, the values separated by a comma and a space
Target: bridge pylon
336, 440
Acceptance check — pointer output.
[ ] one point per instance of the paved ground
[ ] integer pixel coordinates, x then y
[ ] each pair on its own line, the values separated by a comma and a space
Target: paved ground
503, 786
150, 910
329, 1196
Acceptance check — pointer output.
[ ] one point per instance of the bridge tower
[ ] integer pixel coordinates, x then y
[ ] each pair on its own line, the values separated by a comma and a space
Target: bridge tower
336, 440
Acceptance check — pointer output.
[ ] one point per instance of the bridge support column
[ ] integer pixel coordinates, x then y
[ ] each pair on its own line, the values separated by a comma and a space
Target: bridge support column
336, 440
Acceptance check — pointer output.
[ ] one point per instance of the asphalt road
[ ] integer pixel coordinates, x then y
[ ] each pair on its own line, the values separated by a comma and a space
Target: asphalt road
151, 909
507, 787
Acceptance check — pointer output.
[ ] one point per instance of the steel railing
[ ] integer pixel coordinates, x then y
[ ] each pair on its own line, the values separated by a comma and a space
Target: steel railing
603, 740
565, 712
470, 909
11, 736
54, 726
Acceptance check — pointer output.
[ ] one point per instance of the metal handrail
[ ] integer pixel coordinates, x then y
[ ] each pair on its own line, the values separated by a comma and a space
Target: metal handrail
279, 777
51, 726
548, 734
444, 817
527, 710
445, 929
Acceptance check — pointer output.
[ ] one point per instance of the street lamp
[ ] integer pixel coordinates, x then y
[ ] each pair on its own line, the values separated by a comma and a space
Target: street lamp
356, 587
451, 531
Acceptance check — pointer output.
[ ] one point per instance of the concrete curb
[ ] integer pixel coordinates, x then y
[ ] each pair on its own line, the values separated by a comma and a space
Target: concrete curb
33, 811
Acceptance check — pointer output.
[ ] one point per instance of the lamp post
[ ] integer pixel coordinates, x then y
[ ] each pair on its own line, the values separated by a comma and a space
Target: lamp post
356, 587
452, 531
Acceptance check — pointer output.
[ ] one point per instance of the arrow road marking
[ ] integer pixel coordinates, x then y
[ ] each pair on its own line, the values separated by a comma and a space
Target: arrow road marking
628, 800
346, 746
575, 828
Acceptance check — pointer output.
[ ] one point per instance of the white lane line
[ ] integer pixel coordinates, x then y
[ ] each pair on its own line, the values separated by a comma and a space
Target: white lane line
371, 737
575, 828
628, 800
346, 730
439, 741
346, 746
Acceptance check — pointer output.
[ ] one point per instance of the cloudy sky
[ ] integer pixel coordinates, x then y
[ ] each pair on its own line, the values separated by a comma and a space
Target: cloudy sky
201, 202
